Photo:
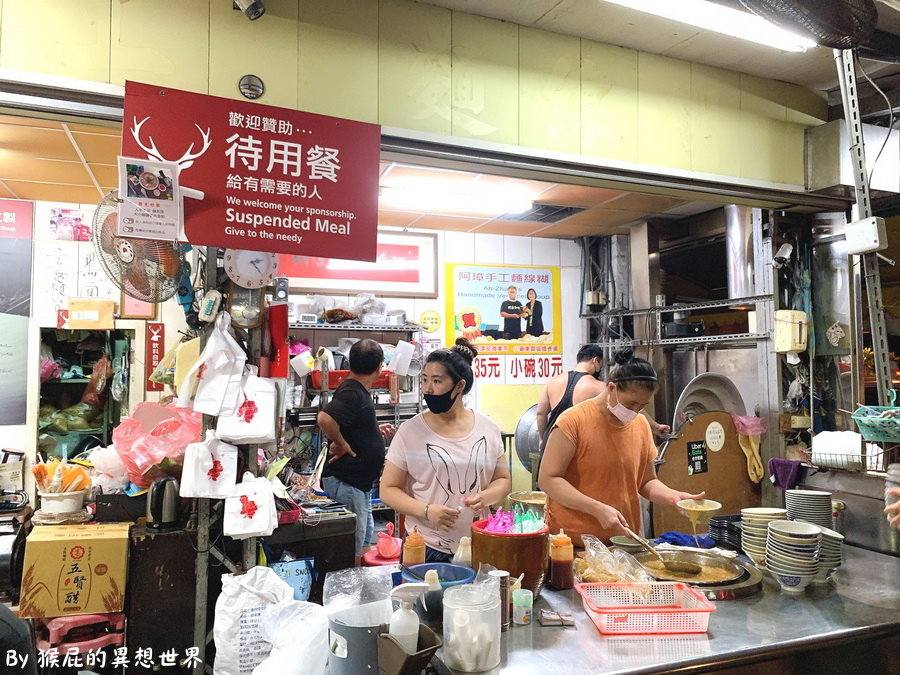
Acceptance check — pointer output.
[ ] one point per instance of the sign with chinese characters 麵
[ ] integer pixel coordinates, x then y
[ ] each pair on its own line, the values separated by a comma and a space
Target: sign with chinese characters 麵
272, 179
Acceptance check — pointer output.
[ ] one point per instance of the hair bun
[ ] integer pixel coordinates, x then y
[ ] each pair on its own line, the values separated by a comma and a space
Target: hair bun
623, 356
465, 349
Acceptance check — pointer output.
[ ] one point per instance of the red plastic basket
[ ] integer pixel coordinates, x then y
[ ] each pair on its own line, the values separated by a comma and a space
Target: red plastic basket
335, 377
653, 608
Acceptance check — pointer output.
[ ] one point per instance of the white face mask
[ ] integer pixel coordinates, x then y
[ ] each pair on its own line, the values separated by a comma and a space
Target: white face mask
620, 412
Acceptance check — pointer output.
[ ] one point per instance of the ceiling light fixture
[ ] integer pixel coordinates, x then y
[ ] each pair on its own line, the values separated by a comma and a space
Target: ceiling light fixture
722, 19
433, 197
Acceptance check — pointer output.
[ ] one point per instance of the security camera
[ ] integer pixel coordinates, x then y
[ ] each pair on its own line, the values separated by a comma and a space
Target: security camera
252, 8
782, 256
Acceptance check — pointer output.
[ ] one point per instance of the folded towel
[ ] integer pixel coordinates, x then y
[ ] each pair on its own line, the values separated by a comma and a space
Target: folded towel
681, 539
785, 471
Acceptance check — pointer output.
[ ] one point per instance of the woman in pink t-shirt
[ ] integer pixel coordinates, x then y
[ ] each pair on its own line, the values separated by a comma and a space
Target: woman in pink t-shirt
445, 466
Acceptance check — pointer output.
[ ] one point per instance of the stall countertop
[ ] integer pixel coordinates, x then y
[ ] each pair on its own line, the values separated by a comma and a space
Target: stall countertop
862, 601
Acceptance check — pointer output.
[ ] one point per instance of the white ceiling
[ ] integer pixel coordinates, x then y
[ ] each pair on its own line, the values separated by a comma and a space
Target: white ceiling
612, 24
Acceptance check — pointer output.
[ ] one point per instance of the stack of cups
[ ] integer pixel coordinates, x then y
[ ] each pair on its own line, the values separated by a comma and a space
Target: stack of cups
829, 555
755, 530
791, 554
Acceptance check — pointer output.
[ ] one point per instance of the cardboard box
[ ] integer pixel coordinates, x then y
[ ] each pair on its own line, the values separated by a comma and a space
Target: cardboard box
74, 569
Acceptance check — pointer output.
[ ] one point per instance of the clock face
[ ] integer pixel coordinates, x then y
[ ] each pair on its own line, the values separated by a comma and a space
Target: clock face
250, 269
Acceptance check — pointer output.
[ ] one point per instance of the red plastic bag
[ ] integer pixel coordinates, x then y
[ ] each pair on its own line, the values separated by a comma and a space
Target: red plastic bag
389, 546
750, 426
152, 441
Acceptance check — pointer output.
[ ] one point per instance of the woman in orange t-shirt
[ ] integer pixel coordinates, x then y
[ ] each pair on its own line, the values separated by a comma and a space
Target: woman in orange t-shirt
599, 458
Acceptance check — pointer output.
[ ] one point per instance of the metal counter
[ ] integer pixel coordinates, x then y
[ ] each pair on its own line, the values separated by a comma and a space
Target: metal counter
862, 602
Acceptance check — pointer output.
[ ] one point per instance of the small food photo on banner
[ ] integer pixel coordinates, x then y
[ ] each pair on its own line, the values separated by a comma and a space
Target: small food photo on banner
505, 309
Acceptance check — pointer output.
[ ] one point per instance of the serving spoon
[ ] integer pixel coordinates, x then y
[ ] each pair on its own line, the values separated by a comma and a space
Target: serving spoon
677, 566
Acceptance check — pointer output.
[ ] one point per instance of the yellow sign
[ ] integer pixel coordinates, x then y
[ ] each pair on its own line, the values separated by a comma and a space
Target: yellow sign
504, 309
430, 320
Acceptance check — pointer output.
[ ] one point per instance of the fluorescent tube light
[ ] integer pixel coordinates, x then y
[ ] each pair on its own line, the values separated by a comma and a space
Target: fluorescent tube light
722, 19
433, 196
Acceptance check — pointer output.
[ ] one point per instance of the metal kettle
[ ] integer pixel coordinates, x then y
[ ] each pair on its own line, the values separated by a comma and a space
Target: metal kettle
162, 504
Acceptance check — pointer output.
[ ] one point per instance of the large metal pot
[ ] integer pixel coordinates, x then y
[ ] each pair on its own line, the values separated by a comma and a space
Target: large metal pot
706, 559
530, 500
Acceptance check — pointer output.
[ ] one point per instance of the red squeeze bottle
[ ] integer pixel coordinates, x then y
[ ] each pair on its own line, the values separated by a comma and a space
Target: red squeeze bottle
562, 561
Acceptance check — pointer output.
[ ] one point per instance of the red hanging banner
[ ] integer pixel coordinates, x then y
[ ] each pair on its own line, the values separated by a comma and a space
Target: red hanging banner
272, 179
156, 343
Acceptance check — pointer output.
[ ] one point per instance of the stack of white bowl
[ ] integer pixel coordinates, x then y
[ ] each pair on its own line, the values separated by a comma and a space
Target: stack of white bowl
791, 549
829, 555
755, 529
810, 506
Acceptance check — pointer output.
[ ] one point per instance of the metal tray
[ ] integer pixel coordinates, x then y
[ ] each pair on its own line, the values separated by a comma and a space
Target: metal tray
708, 559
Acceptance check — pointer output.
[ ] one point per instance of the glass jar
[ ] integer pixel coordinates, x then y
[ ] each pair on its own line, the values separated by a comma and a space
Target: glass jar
472, 627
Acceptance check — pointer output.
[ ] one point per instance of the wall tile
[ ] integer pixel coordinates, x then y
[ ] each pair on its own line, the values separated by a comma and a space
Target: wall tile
516, 250
459, 247
569, 253
338, 58
545, 252
609, 101
414, 66
664, 111
488, 249
57, 37
549, 90
148, 46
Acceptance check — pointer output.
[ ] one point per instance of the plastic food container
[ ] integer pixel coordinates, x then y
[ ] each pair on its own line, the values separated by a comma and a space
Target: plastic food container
471, 628
62, 502
449, 574
655, 608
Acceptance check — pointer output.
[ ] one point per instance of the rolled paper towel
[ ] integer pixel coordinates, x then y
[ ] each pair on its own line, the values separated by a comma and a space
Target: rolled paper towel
302, 363
324, 355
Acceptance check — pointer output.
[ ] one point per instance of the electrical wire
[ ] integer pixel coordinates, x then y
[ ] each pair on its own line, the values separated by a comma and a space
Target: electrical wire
890, 110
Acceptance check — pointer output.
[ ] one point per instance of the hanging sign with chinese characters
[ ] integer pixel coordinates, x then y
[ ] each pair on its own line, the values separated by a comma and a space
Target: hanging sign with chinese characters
149, 207
505, 309
272, 179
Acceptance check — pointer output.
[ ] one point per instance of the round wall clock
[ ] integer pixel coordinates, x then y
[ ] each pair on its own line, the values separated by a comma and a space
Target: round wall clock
250, 269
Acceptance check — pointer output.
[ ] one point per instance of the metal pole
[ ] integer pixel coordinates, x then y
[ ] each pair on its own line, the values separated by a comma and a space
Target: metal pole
844, 60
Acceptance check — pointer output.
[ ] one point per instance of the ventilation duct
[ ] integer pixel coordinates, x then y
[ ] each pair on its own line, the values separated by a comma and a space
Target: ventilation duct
739, 251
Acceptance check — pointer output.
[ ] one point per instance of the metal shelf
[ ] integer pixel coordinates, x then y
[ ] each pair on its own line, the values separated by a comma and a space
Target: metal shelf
687, 307
406, 328
699, 339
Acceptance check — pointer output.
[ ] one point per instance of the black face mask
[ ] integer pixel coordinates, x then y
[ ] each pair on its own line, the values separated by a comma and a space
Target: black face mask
440, 403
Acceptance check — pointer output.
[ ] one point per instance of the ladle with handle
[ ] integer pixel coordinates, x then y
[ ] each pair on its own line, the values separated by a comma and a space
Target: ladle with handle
679, 567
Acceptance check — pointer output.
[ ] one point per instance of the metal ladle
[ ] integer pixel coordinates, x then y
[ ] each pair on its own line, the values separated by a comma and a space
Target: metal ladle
679, 567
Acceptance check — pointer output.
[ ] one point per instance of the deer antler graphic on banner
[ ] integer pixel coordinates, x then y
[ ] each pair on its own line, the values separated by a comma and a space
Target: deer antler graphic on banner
184, 162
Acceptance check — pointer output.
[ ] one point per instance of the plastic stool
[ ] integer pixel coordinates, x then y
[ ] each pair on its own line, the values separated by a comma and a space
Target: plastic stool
371, 559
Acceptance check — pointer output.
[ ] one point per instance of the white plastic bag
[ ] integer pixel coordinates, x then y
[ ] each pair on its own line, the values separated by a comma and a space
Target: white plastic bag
239, 615
217, 373
250, 510
298, 634
210, 469
254, 419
